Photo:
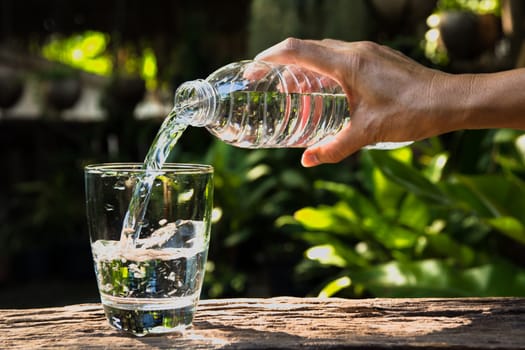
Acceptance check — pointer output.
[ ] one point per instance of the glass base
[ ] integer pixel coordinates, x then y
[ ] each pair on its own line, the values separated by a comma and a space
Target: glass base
149, 318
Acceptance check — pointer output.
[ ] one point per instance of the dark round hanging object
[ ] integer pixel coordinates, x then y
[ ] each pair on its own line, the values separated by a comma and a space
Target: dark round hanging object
63, 93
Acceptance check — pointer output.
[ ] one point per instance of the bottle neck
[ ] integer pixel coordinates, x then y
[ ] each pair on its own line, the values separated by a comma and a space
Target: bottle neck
195, 102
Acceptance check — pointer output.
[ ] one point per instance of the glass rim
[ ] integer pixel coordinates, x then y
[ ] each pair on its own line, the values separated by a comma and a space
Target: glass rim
136, 167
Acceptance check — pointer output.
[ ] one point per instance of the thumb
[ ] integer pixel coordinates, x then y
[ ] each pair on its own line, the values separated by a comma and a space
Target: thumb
332, 149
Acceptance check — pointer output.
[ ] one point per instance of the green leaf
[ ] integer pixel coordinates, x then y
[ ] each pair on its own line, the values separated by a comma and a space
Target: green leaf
360, 205
434, 170
285, 220
404, 154
414, 213
437, 278
509, 226
258, 171
258, 193
506, 135
492, 195
468, 200
446, 247
335, 286
314, 219
342, 249
407, 177
390, 235
326, 254
387, 194
490, 191
338, 218
294, 179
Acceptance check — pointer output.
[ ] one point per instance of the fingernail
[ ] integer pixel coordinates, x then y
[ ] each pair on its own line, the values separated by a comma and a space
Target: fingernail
309, 160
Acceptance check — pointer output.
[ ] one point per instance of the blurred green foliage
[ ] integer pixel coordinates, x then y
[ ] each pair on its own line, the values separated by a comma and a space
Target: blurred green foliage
86, 51
477, 6
441, 218
421, 222
90, 51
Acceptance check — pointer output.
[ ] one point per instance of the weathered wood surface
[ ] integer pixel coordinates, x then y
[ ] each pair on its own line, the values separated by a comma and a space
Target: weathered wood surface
288, 323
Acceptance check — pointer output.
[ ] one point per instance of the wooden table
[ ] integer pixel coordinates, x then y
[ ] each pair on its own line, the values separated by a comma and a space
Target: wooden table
288, 323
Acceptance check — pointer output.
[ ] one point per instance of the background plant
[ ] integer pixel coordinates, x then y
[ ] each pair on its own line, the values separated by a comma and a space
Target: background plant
421, 222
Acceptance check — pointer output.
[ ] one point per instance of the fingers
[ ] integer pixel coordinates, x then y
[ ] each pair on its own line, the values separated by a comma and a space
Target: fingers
326, 153
313, 55
326, 58
333, 149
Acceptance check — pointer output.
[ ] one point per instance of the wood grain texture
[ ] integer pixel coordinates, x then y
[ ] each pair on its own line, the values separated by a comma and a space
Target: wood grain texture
287, 323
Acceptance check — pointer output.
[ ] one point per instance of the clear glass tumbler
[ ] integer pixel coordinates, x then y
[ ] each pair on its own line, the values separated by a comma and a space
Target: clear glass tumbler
153, 284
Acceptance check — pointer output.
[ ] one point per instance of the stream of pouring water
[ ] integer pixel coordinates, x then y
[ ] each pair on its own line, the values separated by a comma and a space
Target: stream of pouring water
169, 133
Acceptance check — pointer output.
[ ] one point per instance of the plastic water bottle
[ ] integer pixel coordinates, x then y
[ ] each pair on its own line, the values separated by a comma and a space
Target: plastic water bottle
254, 104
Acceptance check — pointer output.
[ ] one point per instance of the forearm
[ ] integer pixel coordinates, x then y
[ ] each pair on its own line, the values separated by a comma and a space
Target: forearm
485, 101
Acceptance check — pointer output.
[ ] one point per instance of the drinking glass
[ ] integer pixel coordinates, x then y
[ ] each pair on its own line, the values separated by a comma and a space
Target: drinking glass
150, 280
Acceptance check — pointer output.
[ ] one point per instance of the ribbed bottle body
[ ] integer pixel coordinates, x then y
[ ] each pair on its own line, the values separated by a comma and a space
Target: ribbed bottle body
260, 105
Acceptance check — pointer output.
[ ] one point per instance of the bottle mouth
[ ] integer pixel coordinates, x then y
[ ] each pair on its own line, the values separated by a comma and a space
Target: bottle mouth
195, 102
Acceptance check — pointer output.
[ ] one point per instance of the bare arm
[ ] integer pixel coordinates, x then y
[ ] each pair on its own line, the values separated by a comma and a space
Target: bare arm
395, 99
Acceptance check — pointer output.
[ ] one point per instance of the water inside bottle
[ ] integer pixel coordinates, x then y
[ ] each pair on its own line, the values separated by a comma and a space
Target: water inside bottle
270, 119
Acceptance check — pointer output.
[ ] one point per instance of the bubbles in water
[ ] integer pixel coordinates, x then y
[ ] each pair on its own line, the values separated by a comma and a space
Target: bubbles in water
137, 272
144, 223
109, 174
185, 196
120, 185
116, 322
171, 276
172, 235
